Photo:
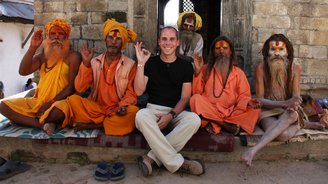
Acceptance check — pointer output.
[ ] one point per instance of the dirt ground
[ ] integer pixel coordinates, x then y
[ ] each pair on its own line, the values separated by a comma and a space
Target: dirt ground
282, 171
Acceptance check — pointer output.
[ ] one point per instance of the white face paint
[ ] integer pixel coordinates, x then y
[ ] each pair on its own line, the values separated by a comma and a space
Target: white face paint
189, 24
277, 48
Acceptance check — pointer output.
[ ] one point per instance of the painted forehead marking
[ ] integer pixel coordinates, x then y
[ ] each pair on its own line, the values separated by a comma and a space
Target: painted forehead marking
222, 43
115, 34
275, 44
189, 21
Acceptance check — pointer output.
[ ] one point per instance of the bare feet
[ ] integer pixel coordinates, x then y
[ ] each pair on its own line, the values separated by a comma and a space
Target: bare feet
232, 128
49, 128
313, 125
248, 157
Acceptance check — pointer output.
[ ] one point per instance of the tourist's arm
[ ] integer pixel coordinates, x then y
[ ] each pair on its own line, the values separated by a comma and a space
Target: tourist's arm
31, 62
140, 81
179, 107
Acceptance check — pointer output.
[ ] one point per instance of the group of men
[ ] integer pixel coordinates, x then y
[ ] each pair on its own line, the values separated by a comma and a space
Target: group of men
218, 91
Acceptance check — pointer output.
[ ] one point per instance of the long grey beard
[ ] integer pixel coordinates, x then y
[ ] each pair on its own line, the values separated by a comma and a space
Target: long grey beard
278, 70
186, 39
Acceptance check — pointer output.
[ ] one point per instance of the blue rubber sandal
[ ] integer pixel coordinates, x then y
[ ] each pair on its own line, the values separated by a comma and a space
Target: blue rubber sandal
117, 171
11, 168
102, 172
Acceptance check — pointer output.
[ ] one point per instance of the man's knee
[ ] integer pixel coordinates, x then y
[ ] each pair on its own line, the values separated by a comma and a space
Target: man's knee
292, 117
141, 116
194, 120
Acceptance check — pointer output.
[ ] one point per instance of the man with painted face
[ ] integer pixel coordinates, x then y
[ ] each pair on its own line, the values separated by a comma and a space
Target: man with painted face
58, 66
190, 41
221, 92
278, 89
110, 76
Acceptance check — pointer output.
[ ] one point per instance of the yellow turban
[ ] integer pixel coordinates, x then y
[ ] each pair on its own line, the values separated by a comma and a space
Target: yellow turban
58, 22
198, 20
128, 36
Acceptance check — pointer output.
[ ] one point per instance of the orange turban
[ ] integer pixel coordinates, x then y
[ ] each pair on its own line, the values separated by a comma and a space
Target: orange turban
128, 36
58, 22
198, 21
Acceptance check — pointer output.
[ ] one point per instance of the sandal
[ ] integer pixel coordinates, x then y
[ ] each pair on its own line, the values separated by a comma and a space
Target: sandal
10, 168
145, 165
105, 172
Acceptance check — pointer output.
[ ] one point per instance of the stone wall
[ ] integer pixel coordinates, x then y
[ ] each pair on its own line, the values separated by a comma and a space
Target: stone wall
305, 23
87, 17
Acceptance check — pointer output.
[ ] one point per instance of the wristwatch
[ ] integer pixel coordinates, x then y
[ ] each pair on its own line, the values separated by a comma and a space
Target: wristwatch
174, 114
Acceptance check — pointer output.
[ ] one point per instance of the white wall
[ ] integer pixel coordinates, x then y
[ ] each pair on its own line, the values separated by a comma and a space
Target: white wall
11, 53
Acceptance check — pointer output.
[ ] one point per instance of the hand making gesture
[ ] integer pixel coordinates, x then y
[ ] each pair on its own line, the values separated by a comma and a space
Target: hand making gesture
87, 54
142, 54
37, 39
199, 63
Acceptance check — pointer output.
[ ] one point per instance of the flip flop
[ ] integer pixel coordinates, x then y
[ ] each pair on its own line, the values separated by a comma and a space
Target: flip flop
117, 171
11, 168
105, 172
102, 171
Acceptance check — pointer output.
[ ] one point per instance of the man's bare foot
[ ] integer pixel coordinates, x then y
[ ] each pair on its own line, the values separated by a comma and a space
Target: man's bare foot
313, 125
232, 128
49, 128
80, 126
248, 156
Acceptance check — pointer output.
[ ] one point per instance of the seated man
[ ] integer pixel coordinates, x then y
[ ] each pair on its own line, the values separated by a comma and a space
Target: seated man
58, 67
221, 93
110, 76
191, 42
278, 89
167, 79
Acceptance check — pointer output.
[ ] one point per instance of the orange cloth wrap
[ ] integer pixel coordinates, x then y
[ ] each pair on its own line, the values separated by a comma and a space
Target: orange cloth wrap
128, 36
231, 106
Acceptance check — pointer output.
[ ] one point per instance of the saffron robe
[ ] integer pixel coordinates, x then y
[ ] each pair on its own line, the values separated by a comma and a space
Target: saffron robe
230, 107
51, 83
111, 87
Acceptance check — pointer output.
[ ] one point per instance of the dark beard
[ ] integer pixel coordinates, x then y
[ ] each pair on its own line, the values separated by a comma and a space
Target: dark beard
278, 72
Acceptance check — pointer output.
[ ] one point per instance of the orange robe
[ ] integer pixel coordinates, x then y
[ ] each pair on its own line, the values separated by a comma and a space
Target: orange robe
105, 96
231, 106
51, 83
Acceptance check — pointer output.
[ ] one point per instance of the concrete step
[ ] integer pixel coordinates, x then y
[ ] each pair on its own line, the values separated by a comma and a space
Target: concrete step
29, 150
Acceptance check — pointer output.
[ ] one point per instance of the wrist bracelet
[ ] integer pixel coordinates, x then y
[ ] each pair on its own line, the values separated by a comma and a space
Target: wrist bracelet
139, 65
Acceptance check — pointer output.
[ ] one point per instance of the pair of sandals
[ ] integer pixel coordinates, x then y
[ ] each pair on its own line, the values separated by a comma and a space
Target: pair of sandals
9, 168
105, 171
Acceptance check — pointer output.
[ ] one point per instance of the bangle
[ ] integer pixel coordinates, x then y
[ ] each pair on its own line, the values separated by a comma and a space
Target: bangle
139, 65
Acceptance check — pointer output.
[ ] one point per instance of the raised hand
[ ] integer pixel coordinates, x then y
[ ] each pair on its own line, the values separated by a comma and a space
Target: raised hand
87, 54
199, 62
36, 39
142, 54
